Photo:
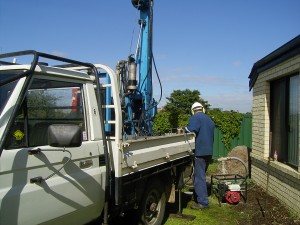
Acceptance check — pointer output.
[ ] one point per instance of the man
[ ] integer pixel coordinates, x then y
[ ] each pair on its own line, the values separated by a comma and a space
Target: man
203, 127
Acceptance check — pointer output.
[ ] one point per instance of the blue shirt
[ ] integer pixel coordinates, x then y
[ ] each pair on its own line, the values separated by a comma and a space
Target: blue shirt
203, 126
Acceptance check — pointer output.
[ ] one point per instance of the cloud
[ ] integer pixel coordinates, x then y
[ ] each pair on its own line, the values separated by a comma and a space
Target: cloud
190, 81
59, 53
160, 57
226, 92
240, 101
236, 63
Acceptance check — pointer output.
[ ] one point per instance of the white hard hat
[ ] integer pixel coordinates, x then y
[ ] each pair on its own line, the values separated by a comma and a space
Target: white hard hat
196, 105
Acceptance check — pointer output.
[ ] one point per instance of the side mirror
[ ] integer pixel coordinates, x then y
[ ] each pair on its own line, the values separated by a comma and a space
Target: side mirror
64, 135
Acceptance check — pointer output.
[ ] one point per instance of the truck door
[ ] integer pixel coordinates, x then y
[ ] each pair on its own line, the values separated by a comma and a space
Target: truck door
40, 184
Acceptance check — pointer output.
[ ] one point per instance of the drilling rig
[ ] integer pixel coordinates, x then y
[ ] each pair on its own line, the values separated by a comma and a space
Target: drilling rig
135, 78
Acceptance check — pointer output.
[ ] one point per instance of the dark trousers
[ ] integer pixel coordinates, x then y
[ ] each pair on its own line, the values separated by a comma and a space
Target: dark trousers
200, 188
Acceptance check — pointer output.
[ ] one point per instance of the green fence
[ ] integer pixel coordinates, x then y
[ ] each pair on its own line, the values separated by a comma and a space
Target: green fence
244, 139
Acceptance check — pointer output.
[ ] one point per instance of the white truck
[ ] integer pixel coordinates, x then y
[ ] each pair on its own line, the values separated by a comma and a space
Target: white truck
65, 158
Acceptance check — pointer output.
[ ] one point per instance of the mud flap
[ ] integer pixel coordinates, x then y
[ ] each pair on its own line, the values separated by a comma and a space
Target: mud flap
172, 194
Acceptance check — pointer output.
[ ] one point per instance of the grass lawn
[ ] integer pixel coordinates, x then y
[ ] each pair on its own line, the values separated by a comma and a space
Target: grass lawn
215, 214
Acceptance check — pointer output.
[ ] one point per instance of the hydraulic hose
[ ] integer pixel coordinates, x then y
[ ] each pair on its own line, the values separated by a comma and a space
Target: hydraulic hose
238, 159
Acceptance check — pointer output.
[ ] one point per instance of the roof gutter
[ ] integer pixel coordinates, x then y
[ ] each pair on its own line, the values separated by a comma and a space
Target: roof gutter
283, 53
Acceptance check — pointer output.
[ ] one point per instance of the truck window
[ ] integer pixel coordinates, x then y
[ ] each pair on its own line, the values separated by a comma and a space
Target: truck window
6, 88
47, 102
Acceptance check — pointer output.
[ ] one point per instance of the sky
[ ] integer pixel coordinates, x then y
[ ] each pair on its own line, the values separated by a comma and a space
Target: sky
204, 45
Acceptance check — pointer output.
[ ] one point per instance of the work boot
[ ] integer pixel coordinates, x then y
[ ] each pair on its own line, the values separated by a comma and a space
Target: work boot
198, 206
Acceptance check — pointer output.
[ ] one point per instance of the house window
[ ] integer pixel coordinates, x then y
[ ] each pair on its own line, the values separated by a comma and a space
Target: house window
284, 119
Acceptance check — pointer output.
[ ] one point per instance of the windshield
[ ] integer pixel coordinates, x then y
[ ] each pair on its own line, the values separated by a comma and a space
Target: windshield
6, 88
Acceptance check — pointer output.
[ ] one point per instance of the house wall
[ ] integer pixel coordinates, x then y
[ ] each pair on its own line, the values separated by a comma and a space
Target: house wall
277, 178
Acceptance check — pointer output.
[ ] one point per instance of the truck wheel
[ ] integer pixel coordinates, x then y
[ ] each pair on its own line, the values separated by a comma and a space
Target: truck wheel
153, 204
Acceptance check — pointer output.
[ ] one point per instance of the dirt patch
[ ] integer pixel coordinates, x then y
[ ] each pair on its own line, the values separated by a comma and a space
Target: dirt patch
260, 207
237, 162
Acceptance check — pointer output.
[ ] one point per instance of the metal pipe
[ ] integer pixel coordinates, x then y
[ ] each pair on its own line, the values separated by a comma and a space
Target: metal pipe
234, 158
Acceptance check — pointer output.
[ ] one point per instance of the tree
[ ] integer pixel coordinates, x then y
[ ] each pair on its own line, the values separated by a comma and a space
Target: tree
229, 122
162, 123
180, 101
41, 104
177, 111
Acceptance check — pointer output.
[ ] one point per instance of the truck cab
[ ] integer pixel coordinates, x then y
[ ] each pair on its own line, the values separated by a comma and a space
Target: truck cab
40, 183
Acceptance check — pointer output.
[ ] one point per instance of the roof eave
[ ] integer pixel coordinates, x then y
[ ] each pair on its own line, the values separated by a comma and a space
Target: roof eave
286, 51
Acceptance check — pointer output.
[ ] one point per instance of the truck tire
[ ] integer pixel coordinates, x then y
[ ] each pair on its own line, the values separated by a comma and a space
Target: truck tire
153, 204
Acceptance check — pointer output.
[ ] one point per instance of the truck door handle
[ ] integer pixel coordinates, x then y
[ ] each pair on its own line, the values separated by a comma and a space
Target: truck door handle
85, 164
36, 180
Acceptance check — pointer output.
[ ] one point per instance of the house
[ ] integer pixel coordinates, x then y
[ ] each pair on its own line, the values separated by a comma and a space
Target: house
275, 81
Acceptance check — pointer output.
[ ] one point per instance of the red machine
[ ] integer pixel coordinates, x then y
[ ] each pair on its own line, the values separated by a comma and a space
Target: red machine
229, 187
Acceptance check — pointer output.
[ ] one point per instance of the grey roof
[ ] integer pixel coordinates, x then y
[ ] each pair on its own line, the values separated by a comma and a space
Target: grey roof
281, 54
